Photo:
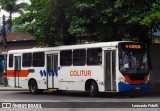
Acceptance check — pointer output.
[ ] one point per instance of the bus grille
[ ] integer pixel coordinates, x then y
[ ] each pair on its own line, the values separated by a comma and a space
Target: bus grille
137, 77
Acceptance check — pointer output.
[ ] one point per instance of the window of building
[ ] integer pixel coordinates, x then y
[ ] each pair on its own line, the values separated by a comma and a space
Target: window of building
11, 60
38, 59
27, 60
94, 56
66, 58
79, 57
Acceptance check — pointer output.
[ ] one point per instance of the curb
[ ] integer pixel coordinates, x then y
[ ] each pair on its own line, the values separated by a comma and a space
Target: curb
13, 90
6, 88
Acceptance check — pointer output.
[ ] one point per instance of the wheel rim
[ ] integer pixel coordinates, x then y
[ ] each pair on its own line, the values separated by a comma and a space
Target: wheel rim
91, 89
33, 87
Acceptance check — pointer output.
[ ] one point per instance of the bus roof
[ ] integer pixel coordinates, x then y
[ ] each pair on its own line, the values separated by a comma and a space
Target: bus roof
57, 48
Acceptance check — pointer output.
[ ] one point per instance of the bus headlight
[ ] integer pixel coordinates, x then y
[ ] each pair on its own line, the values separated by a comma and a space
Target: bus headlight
123, 80
148, 79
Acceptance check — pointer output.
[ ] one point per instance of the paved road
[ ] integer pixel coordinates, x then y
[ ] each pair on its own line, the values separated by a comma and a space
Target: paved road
25, 96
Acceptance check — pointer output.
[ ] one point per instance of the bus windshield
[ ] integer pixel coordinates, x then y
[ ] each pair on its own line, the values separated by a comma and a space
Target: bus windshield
133, 58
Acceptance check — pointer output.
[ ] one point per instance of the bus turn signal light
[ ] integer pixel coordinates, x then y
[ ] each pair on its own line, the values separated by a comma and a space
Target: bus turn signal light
123, 80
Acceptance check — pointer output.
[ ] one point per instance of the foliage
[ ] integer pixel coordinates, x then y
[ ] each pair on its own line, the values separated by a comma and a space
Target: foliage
59, 21
108, 20
137, 15
47, 21
11, 6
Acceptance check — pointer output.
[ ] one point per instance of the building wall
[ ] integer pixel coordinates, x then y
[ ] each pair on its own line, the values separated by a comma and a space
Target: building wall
155, 64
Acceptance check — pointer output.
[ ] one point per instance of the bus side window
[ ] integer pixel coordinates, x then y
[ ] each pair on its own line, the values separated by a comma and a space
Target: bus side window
27, 60
79, 57
11, 60
66, 58
94, 56
38, 59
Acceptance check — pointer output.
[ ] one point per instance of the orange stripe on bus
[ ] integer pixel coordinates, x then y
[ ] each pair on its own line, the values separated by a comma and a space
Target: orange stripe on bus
21, 73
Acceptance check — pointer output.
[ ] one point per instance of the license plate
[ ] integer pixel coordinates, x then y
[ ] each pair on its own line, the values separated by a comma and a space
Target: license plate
137, 88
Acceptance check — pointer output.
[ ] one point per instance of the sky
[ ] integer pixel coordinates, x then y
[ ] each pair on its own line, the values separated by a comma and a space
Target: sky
2, 12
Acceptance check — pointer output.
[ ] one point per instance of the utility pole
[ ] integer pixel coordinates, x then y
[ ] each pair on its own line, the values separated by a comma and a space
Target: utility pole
4, 32
4, 50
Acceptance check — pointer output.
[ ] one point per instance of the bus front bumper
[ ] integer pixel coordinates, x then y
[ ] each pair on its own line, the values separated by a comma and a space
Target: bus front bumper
128, 87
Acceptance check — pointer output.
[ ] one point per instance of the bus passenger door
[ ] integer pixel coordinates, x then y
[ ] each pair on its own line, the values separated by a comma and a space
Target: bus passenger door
17, 71
110, 70
52, 68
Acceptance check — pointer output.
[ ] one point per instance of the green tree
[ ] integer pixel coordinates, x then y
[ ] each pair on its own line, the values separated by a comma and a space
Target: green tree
141, 18
11, 7
110, 20
59, 14
95, 18
48, 21
59, 21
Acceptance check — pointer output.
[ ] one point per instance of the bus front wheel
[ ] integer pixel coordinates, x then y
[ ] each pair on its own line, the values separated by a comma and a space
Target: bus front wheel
93, 89
33, 87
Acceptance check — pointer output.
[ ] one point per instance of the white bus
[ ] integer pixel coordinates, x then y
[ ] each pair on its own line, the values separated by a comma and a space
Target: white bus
97, 67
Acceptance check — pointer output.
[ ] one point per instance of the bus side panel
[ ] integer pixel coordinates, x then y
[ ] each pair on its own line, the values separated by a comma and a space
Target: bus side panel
10, 78
75, 77
67, 85
40, 77
36, 73
11, 81
41, 84
24, 84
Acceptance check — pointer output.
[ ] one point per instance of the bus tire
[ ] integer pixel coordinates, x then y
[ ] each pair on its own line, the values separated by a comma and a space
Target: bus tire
93, 89
33, 88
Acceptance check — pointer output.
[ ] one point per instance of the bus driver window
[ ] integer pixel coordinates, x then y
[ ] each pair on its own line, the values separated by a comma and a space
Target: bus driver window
128, 62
